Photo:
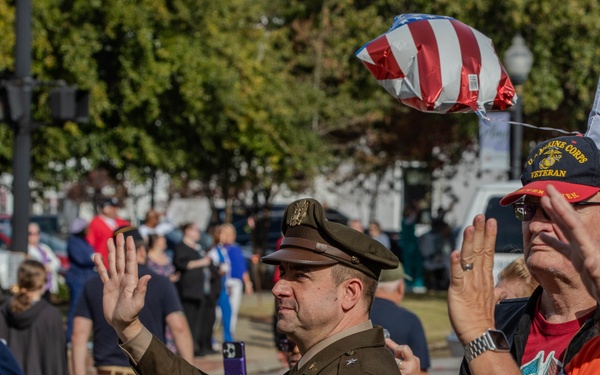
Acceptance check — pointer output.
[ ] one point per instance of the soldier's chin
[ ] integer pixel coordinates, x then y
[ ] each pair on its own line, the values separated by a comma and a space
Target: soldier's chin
283, 327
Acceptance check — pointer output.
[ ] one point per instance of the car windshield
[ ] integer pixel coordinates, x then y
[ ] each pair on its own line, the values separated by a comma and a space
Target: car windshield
510, 238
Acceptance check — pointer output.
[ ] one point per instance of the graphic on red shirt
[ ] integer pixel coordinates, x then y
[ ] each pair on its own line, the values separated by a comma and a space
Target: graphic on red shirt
546, 344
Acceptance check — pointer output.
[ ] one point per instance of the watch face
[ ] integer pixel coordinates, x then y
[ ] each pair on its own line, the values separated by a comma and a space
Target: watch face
500, 340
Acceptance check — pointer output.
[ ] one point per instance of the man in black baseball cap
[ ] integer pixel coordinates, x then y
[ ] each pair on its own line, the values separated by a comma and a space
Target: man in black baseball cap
559, 318
571, 164
102, 225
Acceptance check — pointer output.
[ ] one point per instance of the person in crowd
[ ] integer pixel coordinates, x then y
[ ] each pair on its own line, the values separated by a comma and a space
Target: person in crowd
376, 233
43, 254
81, 266
515, 280
329, 274
547, 330
239, 281
158, 260
198, 287
356, 225
150, 223
160, 263
31, 326
220, 258
103, 225
163, 309
412, 257
436, 246
403, 326
290, 350
8, 362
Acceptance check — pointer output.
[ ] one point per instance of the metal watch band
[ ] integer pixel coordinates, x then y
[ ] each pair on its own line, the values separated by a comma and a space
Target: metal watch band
479, 346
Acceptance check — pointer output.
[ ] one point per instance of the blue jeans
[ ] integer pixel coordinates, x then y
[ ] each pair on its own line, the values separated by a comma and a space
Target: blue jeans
223, 303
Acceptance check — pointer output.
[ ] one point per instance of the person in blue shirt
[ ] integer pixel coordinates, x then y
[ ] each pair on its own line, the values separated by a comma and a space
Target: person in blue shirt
81, 266
239, 280
404, 327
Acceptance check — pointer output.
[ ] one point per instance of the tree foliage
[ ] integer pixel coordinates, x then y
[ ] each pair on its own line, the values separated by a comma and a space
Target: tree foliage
243, 96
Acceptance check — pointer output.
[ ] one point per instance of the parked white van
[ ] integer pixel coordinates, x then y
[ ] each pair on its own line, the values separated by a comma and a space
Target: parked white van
509, 243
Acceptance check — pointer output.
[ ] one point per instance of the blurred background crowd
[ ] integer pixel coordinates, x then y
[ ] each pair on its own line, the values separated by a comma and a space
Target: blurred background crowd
211, 269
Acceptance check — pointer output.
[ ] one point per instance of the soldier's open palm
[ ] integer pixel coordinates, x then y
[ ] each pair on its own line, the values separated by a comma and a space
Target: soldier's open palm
123, 293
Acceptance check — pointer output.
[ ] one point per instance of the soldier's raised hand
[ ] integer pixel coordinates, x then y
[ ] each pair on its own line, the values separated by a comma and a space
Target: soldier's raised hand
124, 292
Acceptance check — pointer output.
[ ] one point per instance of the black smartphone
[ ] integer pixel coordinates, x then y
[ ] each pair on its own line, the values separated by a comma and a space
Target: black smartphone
234, 358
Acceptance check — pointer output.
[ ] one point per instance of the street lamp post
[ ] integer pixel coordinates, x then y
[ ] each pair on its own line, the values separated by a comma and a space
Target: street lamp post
517, 60
23, 127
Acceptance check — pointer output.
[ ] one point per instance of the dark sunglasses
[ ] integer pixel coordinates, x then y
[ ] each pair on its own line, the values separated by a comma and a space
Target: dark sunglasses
525, 211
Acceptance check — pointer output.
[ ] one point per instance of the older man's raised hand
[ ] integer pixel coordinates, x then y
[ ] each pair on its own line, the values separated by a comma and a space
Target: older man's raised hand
471, 298
124, 292
574, 240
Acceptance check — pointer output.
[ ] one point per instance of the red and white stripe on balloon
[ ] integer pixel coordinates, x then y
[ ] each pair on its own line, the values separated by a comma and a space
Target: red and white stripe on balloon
438, 64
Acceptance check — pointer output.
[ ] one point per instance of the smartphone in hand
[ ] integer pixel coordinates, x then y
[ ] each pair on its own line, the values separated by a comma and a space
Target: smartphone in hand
234, 358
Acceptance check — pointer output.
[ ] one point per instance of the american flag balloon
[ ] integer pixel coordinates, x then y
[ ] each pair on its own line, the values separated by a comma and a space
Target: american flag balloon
440, 65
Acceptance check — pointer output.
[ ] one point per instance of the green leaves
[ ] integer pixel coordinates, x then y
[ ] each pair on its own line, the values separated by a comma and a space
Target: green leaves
252, 95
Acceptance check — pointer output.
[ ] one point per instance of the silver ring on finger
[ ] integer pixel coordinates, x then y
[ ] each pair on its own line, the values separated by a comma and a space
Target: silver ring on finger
399, 361
467, 266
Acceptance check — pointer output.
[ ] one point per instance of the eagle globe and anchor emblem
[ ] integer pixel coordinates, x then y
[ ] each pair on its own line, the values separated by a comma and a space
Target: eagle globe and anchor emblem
553, 155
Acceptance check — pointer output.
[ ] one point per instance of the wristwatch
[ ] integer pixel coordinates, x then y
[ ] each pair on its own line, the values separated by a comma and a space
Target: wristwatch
492, 339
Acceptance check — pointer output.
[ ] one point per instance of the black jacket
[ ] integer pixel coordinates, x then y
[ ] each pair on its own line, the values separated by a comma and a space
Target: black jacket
514, 317
196, 284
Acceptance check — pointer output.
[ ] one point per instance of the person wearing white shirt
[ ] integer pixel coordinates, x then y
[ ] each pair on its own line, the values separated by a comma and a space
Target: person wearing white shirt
44, 254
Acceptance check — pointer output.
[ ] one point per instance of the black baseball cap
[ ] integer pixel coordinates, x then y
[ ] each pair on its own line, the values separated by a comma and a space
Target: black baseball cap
109, 202
570, 163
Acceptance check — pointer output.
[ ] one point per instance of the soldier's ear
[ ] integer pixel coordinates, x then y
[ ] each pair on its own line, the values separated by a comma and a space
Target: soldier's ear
353, 290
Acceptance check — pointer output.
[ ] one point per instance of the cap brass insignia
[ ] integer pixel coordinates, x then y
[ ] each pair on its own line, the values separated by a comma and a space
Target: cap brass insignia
300, 211
312, 366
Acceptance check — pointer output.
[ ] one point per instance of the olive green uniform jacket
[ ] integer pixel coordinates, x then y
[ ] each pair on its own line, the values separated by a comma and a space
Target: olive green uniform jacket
360, 353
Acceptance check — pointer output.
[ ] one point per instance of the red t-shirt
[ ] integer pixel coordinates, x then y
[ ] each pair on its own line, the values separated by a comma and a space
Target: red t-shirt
100, 231
546, 344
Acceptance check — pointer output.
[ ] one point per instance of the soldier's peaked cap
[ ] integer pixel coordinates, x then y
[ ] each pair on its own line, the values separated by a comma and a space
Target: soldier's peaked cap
309, 238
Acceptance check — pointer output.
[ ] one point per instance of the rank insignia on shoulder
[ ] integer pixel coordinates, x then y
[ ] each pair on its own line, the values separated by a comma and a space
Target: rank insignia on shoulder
351, 361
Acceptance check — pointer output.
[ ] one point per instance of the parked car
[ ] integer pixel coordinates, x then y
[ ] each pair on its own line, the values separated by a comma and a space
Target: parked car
49, 223
57, 244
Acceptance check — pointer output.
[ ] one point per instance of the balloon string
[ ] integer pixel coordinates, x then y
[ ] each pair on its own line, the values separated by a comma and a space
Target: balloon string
488, 121
542, 127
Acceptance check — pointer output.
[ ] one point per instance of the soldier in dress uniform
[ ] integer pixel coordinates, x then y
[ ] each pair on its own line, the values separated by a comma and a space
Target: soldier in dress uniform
329, 275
